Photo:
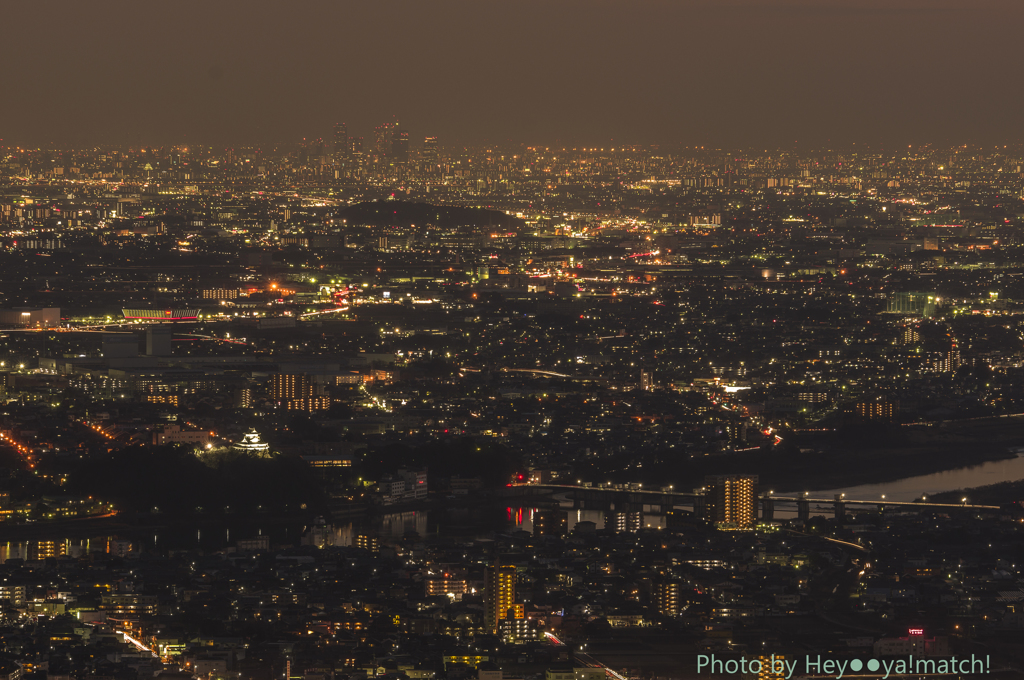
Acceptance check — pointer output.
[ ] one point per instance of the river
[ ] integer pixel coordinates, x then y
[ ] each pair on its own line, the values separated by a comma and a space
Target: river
912, 488
464, 522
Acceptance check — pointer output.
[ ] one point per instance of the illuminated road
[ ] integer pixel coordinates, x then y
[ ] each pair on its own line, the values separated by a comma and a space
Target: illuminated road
96, 429
536, 371
213, 337
23, 451
141, 647
325, 311
590, 661
904, 504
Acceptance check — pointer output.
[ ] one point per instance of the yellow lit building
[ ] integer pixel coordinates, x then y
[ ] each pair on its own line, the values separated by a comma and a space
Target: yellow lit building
471, 660
309, 404
731, 500
767, 672
366, 542
877, 410
219, 293
668, 598
499, 596
286, 387
445, 584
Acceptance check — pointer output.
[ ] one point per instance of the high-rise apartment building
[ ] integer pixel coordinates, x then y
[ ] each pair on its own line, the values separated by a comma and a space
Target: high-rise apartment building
772, 667
499, 596
286, 386
445, 583
731, 500
624, 521
646, 381
949, 361
909, 335
668, 598
296, 392
878, 409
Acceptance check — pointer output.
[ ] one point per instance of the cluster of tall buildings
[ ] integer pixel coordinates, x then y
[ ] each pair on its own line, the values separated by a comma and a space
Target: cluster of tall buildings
386, 154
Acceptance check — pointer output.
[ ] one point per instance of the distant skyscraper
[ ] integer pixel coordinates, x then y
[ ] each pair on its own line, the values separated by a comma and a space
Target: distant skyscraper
731, 499
355, 153
383, 140
430, 155
400, 147
312, 152
341, 146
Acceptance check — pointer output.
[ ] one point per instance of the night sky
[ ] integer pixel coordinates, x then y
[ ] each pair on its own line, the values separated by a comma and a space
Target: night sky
576, 72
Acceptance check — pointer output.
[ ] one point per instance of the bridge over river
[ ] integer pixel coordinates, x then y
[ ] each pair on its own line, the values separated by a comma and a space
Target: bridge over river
629, 497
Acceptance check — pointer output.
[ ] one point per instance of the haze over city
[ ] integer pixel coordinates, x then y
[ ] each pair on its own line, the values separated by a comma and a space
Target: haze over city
573, 72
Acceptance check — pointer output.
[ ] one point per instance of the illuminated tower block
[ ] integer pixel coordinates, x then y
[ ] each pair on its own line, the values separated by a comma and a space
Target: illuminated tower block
731, 500
499, 596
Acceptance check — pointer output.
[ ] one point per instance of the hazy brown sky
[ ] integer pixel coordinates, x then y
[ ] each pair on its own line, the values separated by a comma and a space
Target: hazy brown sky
596, 72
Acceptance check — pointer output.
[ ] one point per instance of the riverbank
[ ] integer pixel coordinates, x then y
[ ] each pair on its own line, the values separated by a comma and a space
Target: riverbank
810, 460
881, 455
1002, 493
130, 525
880, 466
